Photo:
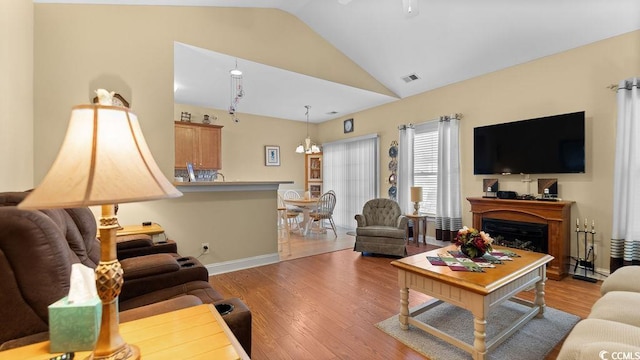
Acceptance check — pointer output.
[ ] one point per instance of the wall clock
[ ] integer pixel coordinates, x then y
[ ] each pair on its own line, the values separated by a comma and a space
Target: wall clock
348, 126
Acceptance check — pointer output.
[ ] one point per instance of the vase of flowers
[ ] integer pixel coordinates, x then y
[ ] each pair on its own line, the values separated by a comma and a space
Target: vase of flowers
473, 243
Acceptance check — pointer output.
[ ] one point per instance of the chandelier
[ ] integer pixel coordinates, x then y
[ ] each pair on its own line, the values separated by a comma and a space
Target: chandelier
308, 147
237, 90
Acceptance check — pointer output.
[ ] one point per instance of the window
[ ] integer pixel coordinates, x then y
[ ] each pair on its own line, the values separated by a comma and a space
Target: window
425, 164
351, 170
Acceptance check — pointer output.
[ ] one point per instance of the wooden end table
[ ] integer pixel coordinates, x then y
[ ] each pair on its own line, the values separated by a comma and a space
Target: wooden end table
194, 332
476, 292
417, 219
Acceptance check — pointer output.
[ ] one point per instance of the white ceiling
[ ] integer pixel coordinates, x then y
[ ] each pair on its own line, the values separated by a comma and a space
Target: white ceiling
447, 42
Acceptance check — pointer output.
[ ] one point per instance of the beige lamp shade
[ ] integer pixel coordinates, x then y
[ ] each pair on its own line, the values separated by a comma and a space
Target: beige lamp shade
416, 194
104, 159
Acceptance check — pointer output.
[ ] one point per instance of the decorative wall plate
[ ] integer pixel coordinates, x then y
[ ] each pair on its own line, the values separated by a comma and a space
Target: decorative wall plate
393, 151
392, 179
392, 192
393, 165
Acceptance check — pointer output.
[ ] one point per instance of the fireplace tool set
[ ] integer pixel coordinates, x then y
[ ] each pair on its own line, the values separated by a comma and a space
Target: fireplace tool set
588, 262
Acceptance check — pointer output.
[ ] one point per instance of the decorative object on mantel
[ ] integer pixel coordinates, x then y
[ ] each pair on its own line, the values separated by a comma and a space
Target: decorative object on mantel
473, 243
271, 155
309, 147
393, 167
237, 91
490, 187
97, 164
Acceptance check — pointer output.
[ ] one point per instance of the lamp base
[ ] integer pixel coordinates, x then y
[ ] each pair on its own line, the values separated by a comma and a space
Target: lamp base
127, 352
416, 207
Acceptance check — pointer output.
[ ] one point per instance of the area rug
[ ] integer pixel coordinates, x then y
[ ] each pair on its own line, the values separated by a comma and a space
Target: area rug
533, 341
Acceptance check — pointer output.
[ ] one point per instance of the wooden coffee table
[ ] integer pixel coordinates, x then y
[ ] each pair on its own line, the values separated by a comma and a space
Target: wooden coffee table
473, 291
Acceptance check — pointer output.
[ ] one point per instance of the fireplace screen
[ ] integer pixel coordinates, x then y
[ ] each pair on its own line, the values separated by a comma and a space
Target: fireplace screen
519, 235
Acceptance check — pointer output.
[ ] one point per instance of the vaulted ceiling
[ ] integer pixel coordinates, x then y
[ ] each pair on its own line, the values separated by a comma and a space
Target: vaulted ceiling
448, 41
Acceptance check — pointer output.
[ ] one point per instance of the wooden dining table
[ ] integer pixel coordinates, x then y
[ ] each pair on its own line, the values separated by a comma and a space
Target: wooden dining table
307, 205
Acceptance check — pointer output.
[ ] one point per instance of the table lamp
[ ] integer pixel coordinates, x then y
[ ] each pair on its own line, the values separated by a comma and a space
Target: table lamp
103, 160
416, 197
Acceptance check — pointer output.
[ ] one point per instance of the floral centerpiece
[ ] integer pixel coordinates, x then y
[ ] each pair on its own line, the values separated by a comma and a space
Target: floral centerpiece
473, 243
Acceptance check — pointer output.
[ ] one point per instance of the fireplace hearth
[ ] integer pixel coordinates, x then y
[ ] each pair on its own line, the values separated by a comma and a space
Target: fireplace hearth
517, 234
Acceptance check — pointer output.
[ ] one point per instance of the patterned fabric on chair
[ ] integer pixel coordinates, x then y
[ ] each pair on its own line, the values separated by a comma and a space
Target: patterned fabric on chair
381, 228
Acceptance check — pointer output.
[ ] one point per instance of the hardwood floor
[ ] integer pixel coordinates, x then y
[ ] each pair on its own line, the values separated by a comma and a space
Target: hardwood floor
325, 306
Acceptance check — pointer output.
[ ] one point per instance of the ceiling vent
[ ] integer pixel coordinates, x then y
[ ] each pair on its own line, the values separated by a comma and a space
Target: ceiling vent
411, 77
332, 112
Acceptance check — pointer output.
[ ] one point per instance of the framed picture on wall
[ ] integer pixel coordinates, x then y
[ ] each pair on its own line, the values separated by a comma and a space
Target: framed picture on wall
272, 155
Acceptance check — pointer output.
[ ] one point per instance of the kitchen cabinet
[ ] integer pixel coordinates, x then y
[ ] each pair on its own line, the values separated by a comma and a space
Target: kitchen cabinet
313, 174
199, 144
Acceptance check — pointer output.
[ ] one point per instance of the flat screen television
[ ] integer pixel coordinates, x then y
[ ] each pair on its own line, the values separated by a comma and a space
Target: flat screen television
546, 145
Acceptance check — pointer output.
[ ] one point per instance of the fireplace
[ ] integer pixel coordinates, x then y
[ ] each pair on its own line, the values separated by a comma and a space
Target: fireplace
517, 234
554, 215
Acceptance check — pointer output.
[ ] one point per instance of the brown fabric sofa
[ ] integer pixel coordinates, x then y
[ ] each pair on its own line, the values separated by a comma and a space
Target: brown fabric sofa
381, 228
37, 249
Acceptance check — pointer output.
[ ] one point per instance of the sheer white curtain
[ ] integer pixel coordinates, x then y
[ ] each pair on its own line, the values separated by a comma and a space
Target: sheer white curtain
405, 167
625, 237
350, 168
448, 208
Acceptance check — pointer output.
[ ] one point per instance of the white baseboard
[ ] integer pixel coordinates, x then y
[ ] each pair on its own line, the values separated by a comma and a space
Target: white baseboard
240, 264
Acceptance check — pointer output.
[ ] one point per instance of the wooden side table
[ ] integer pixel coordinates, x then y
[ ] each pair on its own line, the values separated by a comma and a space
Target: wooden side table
417, 219
154, 230
194, 332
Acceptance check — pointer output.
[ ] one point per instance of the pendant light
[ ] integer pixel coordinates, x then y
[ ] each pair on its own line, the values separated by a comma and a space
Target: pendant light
237, 90
308, 147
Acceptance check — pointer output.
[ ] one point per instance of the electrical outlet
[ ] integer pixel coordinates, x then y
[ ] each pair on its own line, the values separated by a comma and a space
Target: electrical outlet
205, 248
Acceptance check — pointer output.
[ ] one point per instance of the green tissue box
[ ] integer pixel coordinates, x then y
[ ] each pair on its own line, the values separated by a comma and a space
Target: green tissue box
74, 327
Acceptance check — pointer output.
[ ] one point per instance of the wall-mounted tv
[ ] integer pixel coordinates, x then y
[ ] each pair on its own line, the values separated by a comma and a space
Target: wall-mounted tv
547, 145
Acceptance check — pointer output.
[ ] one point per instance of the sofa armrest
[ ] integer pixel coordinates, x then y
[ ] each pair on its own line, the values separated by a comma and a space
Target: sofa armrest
160, 307
25, 340
129, 246
149, 265
623, 279
361, 220
402, 222
133, 241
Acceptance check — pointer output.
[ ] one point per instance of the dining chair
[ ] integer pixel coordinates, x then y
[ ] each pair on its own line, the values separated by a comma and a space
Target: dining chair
324, 211
283, 226
293, 212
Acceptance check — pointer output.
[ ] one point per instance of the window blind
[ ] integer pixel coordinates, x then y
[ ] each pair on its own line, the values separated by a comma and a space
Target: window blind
425, 164
351, 169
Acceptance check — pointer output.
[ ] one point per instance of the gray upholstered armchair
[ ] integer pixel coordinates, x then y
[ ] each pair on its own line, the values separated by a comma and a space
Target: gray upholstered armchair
381, 228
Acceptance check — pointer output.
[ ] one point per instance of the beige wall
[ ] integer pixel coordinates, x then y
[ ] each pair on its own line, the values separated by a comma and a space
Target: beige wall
69, 58
575, 80
134, 57
16, 94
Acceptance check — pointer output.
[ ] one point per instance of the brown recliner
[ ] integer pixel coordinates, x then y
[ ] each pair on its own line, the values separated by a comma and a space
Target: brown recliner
37, 249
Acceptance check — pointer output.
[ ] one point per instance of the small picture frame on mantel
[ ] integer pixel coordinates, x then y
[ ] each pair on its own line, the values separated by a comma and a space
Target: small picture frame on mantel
272, 155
